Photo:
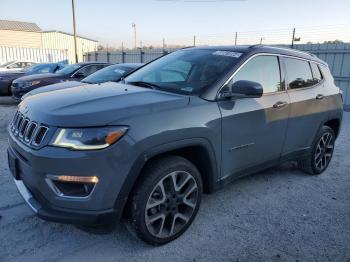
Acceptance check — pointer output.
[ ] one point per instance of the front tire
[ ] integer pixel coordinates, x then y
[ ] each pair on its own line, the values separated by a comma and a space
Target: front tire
166, 200
321, 153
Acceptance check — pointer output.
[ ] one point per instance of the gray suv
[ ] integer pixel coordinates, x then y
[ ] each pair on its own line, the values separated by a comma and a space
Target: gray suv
189, 122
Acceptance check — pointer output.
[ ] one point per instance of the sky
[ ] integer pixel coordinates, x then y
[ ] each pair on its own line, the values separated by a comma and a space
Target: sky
177, 21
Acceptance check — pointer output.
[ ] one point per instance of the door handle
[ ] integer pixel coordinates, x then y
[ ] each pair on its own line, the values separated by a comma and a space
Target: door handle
280, 104
319, 97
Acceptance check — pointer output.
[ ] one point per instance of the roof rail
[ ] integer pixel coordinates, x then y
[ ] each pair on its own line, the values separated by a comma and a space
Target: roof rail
283, 48
257, 45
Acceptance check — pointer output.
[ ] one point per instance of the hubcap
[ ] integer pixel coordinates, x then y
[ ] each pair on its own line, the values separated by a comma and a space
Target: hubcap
171, 204
324, 151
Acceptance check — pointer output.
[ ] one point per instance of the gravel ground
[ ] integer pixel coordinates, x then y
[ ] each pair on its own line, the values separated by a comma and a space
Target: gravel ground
277, 215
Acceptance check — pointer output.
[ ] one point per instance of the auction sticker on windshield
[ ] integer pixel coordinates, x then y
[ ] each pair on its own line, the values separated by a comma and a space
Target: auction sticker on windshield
228, 53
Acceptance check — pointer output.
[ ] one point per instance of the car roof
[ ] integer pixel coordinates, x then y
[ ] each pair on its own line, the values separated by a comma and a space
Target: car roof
90, 63
133, 65
253, 49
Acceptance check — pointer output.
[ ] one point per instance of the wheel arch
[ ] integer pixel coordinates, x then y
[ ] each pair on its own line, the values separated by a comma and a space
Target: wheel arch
198, 151
334, 124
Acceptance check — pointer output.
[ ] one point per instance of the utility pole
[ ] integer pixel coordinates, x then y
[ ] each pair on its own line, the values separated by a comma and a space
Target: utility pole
194, 40
293, 37
134, 26
75, 33
236, 38
261, 40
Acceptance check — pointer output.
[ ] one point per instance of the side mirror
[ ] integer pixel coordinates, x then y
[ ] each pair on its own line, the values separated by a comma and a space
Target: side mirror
244, 89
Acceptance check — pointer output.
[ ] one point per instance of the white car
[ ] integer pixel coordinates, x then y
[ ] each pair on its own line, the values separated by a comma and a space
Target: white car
14, 66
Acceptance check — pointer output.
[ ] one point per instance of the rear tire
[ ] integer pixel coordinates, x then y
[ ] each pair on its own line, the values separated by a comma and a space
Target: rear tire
165, 201
321, 152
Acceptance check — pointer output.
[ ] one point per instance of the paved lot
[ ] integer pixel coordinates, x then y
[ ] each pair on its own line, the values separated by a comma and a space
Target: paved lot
278, 215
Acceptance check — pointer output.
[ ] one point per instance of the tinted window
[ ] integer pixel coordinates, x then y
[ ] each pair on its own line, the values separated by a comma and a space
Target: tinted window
299, 73
110, 73
68, 69
263, 70
88, 70
187, 71
316, 73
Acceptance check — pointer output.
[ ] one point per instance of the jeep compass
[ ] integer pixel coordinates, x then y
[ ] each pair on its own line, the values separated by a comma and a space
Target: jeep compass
185, 124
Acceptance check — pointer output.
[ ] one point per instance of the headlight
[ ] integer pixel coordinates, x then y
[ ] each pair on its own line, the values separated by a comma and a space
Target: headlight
28, 84
88, 138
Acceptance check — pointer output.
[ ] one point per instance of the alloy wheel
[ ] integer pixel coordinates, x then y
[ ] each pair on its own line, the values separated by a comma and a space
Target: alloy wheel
171, 204
324, 151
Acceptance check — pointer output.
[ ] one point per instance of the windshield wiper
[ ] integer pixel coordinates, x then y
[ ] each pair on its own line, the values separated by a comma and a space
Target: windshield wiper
144, 84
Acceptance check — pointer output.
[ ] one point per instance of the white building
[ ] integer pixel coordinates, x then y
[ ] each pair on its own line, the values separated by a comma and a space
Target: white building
18, 36
62, 40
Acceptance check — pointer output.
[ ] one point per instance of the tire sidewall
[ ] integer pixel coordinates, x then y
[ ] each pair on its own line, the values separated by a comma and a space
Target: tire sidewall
187, 167
324, 129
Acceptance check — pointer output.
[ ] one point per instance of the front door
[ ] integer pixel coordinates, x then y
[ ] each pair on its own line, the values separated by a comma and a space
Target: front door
254, 129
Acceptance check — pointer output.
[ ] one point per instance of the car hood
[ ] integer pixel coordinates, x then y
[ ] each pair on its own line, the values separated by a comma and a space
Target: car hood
37, 77
53, 87
97, 105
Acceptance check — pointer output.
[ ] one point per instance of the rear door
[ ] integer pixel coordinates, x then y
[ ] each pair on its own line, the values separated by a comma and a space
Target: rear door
308, 103
254, 129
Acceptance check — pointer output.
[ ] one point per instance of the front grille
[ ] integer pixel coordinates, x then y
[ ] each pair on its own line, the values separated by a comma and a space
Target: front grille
27, 131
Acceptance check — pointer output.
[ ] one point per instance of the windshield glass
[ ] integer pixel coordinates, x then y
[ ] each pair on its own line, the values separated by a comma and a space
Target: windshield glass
188, 71
6, 64
110, 73
68, 69
41, 68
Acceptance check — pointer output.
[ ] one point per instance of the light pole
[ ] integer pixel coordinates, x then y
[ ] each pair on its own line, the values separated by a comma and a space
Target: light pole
75, 33
134, 26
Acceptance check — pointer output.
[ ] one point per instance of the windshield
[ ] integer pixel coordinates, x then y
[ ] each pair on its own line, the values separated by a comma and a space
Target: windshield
111, 73
6, 64
187, 71
41, 68
68, 69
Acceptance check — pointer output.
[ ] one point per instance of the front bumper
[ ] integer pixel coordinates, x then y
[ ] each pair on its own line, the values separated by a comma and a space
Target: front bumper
65, 216
103, 205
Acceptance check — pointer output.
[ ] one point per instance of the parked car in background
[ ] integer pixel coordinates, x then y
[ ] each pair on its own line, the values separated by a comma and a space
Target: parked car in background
6, 78
189, 122
112, 73
76, 72
15, 66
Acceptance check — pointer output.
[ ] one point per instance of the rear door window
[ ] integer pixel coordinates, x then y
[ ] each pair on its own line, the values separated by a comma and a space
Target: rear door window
316, 73
298, 73
88, 70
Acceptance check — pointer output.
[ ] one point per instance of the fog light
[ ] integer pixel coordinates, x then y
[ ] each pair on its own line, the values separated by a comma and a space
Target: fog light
72, 186
76, 179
